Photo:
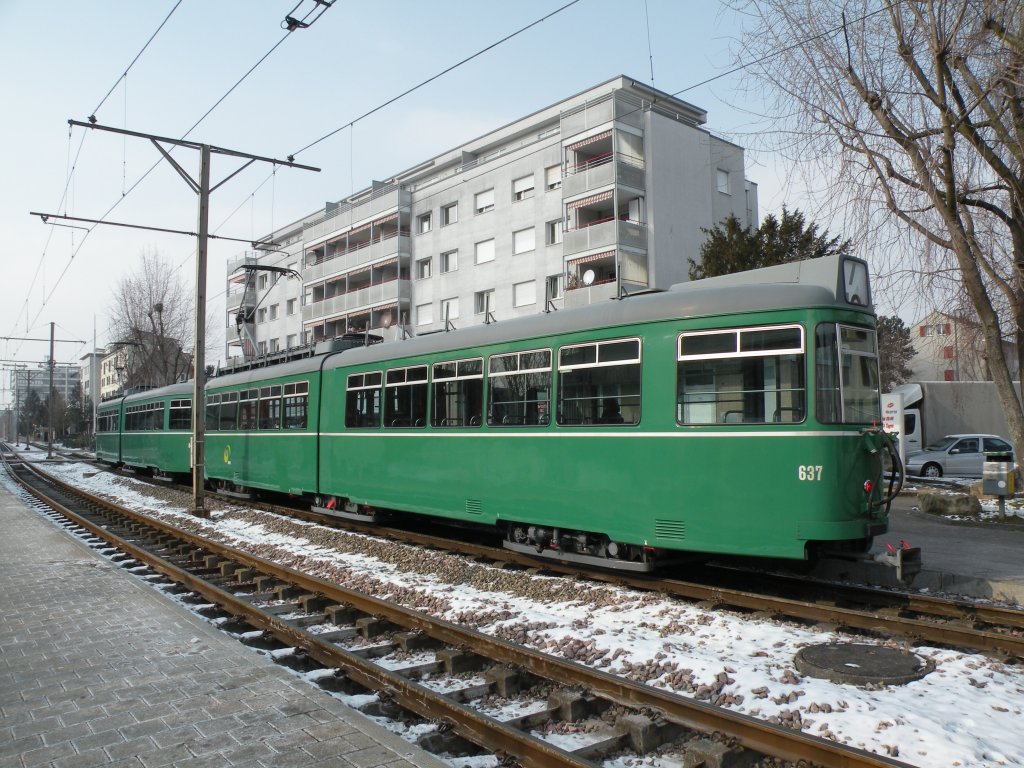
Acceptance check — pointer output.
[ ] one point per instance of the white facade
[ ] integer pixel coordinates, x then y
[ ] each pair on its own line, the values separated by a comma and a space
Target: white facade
602, 194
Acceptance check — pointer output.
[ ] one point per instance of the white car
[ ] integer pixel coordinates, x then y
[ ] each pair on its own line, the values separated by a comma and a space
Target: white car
956, 455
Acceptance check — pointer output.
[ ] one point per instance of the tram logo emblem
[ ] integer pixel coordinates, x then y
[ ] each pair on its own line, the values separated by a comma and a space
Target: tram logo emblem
227, 454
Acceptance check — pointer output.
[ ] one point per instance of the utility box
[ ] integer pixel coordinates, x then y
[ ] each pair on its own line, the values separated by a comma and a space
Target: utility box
998, 475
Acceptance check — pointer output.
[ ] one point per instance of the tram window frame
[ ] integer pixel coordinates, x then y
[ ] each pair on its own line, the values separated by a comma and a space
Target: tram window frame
740, 358
405, 397
521, 411
228, 412
835, 392
269, 412
295, 405
248, 409
364, 400
461, 392
595, 366
180, 415
213, 413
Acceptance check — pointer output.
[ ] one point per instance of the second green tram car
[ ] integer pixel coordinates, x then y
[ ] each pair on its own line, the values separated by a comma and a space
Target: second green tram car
735, 415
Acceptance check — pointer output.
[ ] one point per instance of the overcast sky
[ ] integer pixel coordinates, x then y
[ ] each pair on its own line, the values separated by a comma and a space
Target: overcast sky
61, 58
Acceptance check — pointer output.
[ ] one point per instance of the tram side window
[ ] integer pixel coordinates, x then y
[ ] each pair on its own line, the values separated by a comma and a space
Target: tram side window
846, 375
296, 405
362, 400
248, 408
599, 384
270, 407
181, 415
212, 413
405, 397
519, 389
458, 393
228, 412
741, 375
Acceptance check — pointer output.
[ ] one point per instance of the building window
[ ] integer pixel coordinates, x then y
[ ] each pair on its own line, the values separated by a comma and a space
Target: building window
723, 181
484, 201
553, 177
290, 340
263, 347
290, 307
449, 261
424, 314
485, 251
273, 311
947, 375
449, 214
483, 301
522, 188
423, 223
947, 353
261, 282
555, 286
450, 309
275, 345
423, 269
553, 232
524, 240
524, 293
261, 315
938, 329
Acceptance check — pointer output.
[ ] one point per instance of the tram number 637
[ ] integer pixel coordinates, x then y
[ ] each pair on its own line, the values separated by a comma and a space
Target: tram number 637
809, 473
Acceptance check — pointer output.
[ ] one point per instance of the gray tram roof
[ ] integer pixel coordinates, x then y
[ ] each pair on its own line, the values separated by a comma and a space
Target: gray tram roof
811, 283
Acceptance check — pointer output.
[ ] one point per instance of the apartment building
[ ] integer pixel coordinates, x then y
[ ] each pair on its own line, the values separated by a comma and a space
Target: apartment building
602, 194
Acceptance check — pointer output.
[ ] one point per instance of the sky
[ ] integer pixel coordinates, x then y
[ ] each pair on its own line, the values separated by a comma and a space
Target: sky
62, 63
973, 702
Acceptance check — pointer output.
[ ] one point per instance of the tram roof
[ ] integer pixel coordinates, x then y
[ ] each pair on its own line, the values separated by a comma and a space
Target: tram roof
811, 283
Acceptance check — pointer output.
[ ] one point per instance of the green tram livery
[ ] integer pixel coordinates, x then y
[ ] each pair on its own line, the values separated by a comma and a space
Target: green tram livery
735, 415
149, 431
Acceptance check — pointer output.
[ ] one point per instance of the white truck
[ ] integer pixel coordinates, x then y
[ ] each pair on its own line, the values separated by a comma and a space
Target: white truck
922, 412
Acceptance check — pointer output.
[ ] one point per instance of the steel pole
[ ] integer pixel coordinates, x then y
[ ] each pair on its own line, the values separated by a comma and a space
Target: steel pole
49, 428
198, 353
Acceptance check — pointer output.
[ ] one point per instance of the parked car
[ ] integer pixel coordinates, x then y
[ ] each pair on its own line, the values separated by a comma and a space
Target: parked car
956, 455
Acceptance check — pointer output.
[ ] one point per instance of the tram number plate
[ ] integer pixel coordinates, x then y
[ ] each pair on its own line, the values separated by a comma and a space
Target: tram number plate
809, 472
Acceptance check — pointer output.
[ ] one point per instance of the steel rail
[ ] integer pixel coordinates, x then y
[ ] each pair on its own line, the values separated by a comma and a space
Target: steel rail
752, 733
851, 618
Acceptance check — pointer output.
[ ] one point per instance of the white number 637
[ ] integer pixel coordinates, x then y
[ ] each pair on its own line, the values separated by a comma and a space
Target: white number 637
809, 472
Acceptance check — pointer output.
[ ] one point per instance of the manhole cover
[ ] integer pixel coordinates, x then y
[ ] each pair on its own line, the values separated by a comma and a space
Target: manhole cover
861, 664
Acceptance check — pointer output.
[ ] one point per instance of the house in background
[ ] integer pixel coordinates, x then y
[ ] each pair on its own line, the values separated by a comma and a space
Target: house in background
950, 348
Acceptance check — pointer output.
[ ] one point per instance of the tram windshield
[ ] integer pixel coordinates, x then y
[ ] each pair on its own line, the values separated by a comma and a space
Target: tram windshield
846, 375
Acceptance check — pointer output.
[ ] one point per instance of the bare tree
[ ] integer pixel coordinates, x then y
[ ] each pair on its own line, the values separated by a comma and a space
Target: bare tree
151, 319
912, 109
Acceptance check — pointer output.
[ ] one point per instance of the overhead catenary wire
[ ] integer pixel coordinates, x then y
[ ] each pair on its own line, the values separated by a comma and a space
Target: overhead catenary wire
92, 115
49, 295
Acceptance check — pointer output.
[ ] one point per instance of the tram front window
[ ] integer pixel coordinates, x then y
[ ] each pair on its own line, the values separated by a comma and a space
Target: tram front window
846, 375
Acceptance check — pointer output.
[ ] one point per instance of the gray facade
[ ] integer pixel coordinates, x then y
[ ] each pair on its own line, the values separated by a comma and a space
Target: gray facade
602, 193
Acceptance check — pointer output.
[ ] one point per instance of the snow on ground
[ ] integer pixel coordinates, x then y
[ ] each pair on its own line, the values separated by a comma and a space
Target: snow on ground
966, 713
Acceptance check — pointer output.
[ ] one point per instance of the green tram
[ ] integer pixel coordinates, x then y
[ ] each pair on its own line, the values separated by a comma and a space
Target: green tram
148, 431
735, 415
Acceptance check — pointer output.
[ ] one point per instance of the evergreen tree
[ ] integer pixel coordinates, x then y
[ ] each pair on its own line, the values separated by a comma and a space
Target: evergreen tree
731, 248
895, 351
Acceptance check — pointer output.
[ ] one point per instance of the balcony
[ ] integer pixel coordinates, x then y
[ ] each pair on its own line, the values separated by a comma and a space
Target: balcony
387, 198
364, 253
361, 298
602, 171
590, 294
607, 233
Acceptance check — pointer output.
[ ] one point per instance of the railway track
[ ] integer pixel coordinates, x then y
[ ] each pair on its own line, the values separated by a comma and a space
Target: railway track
943, 621
504, 698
